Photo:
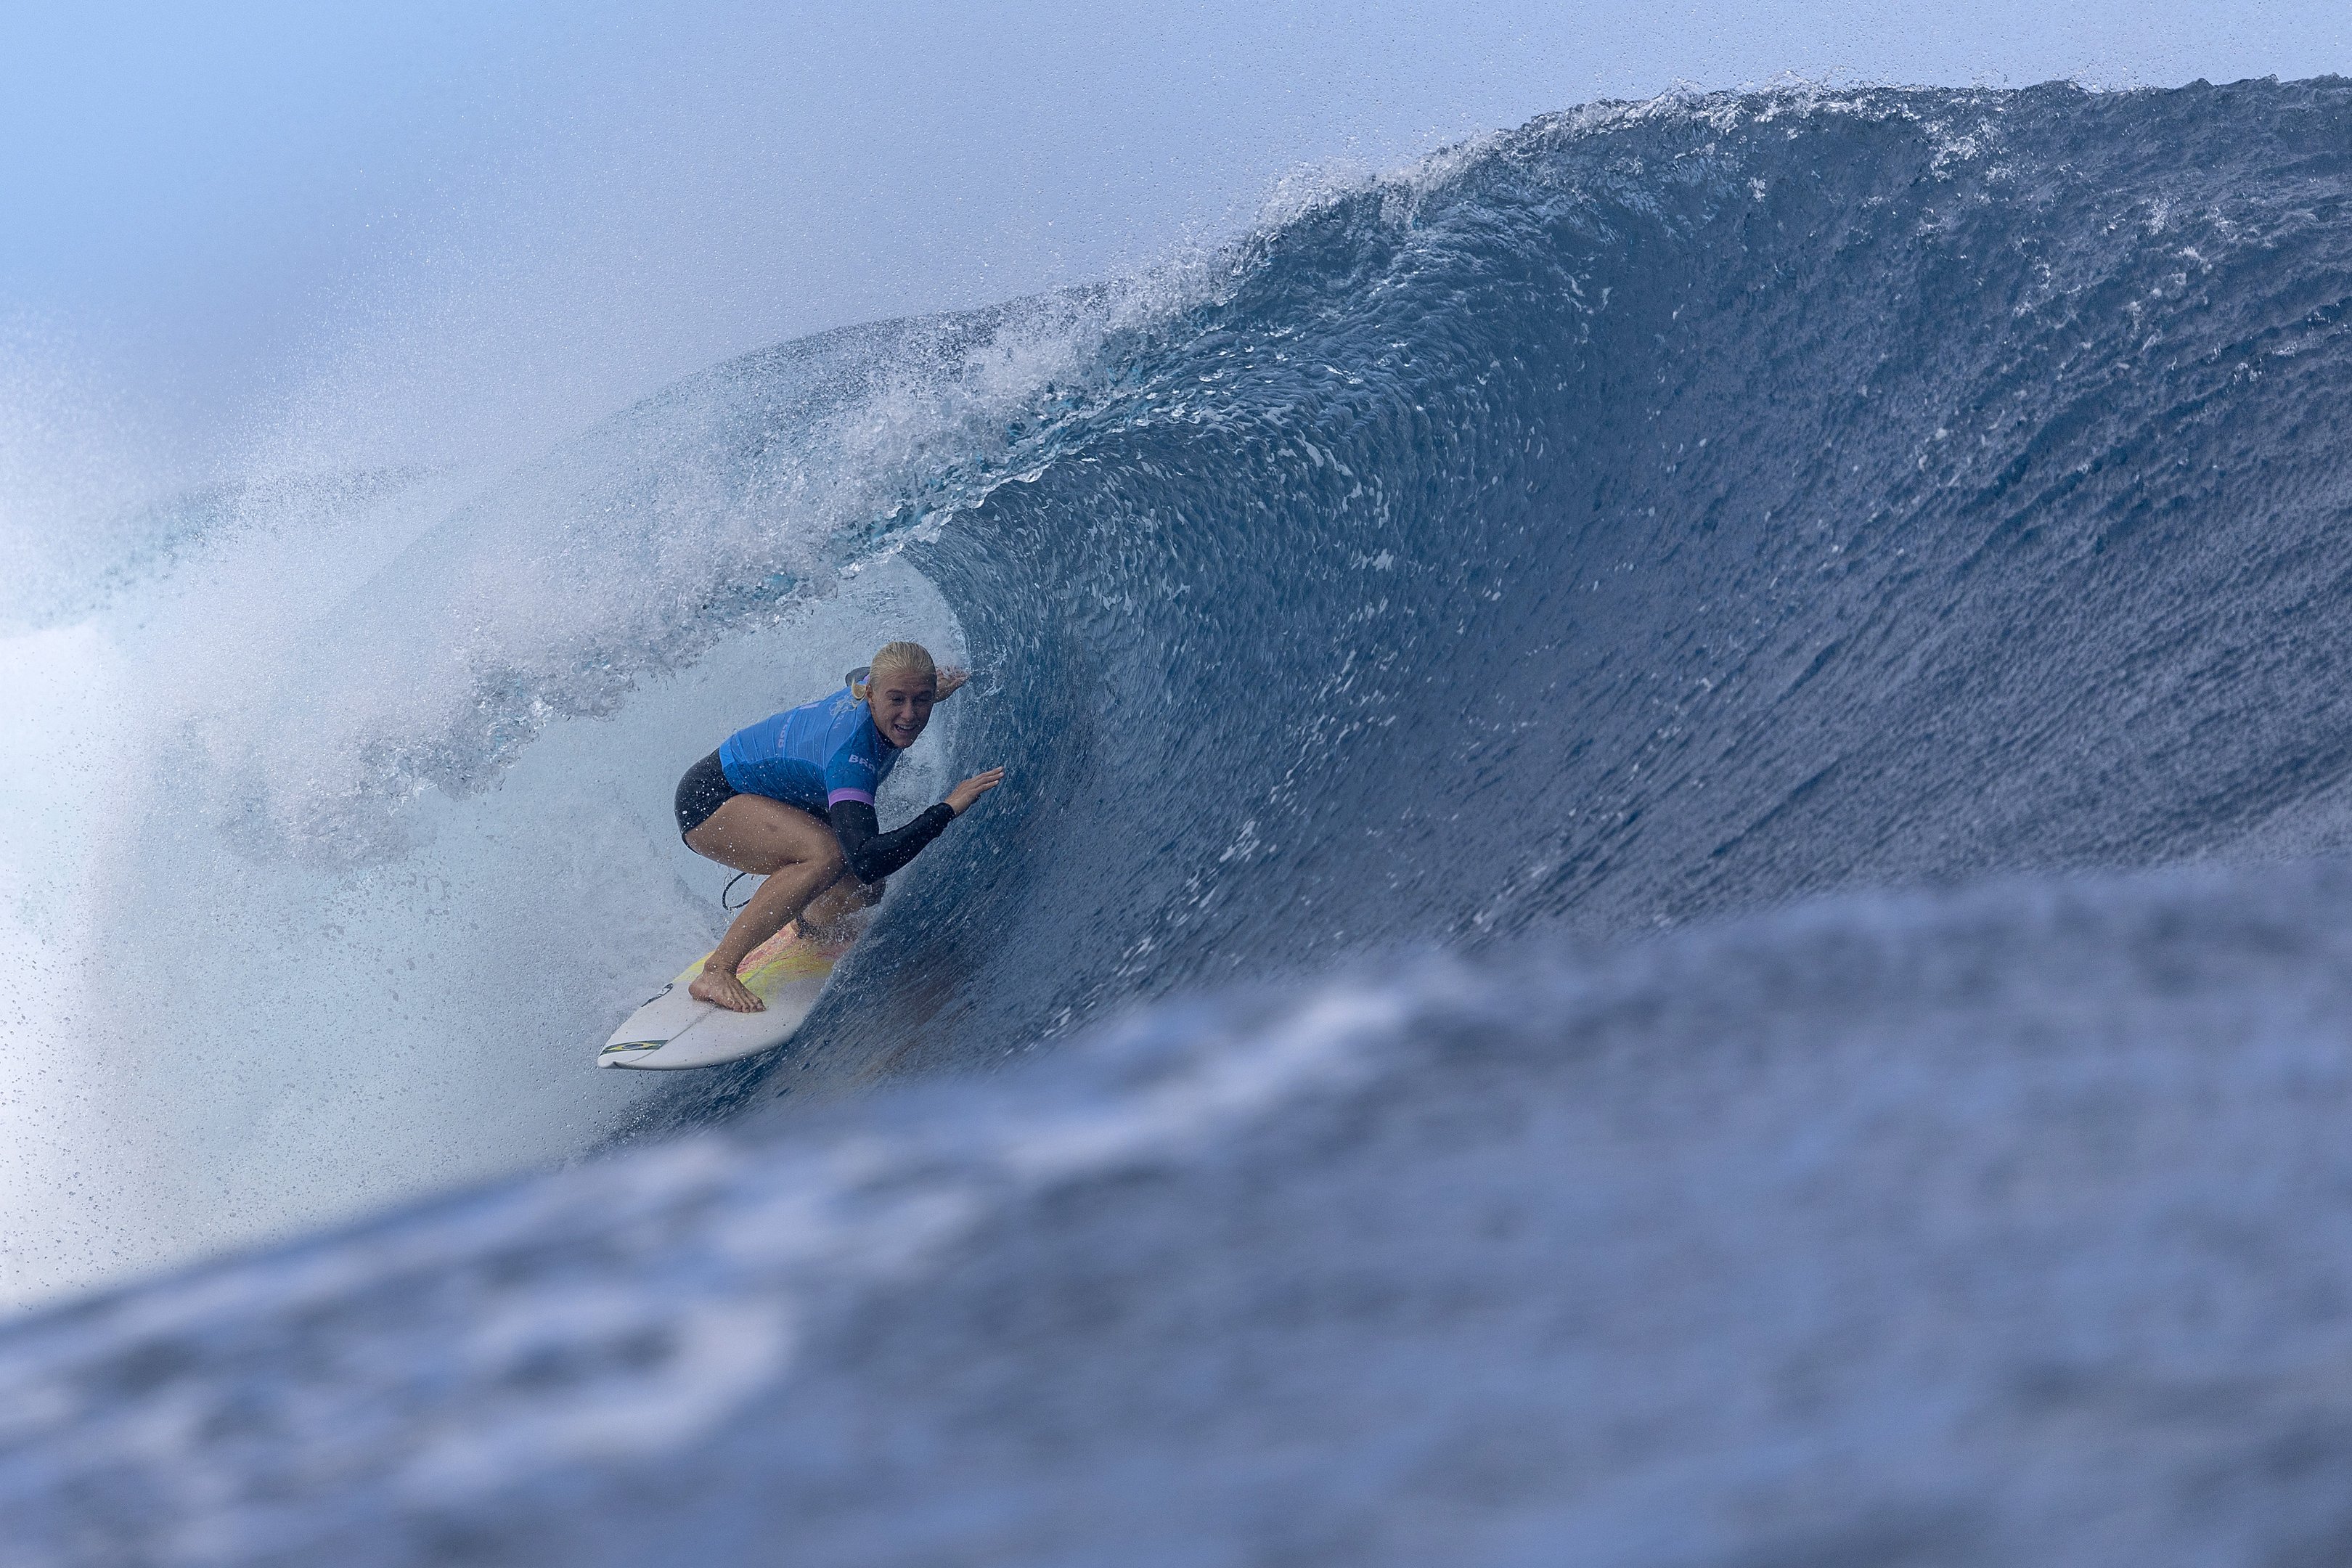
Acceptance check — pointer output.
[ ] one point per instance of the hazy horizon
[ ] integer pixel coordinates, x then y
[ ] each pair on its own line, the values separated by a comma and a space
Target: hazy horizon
273, 238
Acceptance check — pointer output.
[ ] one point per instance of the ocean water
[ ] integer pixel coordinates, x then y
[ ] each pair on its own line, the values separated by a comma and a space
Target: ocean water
1669, 893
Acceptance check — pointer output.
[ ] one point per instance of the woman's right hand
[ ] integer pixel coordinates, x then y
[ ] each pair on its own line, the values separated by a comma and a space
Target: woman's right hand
960, 798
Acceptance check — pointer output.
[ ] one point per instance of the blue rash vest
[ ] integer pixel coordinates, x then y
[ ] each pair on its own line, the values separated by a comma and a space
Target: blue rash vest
814, 756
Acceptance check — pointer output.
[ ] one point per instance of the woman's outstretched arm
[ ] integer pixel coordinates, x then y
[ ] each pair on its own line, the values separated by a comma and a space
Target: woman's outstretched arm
873, 854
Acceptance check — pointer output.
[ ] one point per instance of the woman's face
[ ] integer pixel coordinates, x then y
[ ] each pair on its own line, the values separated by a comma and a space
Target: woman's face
901, 700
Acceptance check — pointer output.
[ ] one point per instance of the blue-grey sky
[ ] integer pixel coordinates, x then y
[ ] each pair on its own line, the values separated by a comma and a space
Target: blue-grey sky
411, 229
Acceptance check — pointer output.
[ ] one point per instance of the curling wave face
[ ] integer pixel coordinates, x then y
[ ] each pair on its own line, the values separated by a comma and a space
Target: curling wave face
1660, 512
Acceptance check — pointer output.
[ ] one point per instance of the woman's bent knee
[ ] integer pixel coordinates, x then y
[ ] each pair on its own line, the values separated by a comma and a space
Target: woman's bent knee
753, 833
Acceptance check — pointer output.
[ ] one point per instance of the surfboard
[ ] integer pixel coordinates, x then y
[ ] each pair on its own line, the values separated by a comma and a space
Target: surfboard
674, 1030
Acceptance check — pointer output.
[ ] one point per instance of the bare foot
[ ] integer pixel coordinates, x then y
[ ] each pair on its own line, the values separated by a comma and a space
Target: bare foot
724, 991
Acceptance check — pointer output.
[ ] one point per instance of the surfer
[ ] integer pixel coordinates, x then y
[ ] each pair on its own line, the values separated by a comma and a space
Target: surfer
791, 798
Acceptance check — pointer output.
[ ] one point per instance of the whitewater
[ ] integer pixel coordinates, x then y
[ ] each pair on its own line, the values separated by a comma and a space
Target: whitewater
1671, 892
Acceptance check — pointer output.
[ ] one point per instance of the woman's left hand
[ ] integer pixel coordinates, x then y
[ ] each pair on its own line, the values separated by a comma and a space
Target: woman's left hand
950, 677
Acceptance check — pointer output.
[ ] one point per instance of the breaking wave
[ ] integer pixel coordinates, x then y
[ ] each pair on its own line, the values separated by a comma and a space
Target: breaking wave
1769, 512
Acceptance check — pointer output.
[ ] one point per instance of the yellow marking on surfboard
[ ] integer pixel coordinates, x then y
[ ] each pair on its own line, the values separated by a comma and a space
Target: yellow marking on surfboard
777, 961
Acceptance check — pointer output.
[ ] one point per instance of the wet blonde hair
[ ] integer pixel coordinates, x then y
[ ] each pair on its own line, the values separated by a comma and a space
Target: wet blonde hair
912, 657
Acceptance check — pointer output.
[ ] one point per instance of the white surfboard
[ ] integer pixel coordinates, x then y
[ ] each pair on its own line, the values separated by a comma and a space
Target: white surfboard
674, 1030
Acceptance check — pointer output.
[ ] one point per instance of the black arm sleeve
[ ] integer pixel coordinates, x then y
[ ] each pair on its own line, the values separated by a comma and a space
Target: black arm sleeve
873, 854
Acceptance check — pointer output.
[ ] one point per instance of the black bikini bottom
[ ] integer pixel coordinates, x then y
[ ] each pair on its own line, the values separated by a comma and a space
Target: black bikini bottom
702, 790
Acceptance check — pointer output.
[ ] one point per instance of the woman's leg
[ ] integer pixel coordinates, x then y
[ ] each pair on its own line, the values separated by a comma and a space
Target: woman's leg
797, 854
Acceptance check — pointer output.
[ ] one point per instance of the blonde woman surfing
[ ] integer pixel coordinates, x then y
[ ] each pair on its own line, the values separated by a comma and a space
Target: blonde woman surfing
791, 798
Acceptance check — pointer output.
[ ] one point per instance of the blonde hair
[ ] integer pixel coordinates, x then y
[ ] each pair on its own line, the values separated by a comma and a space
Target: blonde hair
912, 657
